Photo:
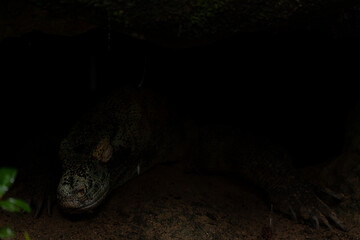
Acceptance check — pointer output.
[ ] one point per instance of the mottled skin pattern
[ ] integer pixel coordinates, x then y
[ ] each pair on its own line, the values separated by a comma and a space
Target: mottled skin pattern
134, 128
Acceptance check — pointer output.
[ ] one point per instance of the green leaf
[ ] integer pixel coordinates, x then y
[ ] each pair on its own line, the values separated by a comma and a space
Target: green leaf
7, 178
26, 235
6, 232
14, 205
21, 204
8, 206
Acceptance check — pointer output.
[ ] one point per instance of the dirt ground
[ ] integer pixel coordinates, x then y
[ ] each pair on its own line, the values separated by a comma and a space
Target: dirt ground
166, 203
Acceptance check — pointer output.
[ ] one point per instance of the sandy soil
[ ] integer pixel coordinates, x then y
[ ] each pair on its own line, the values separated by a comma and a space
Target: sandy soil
166, 203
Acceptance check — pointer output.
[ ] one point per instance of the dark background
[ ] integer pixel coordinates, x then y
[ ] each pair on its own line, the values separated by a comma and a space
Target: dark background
294, 85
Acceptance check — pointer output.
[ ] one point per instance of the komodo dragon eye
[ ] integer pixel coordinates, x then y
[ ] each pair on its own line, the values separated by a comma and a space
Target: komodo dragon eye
81, 192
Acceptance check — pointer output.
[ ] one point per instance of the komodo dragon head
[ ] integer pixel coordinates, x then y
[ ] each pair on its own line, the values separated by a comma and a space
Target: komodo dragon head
85, 181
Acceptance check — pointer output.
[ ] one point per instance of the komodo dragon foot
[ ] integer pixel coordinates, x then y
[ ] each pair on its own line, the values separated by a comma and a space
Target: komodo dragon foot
298, 200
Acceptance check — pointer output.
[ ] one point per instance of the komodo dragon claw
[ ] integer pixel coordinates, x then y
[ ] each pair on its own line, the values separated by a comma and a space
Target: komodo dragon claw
300, 201
38, 205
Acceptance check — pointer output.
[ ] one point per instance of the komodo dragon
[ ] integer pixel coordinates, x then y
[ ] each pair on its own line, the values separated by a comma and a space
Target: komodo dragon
133, 130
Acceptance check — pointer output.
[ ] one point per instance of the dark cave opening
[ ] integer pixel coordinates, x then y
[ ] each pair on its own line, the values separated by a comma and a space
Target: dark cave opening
296, 91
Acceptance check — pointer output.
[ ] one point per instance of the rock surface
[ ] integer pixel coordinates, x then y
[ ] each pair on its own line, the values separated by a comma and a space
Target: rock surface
171, 23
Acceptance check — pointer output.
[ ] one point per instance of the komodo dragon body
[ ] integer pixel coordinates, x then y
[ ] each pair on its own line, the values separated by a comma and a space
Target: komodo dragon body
133, 130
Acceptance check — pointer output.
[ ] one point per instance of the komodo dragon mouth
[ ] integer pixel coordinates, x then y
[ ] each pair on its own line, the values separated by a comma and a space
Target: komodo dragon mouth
83, 187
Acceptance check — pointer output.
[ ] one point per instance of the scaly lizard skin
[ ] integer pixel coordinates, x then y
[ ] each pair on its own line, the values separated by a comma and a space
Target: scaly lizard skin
134, 130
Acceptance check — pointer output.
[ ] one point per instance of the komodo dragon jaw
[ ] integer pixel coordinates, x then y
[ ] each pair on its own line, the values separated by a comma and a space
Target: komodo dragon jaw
83, 187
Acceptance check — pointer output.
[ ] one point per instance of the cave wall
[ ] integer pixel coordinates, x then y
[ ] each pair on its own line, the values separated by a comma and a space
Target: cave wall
169, 23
